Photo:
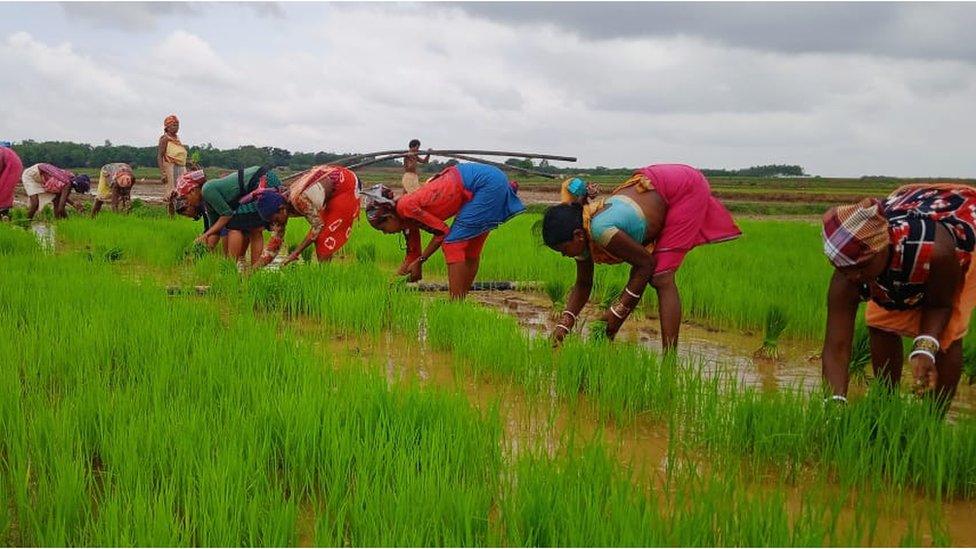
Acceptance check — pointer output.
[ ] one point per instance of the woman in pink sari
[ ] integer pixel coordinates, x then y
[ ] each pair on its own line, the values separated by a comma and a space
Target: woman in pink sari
651, 222
10, 170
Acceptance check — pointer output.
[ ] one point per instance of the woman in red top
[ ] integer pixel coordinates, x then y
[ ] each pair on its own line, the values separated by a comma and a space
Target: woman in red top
478, 196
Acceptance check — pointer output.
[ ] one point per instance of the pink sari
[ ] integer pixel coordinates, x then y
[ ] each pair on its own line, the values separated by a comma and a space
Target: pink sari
694, 216
9, 176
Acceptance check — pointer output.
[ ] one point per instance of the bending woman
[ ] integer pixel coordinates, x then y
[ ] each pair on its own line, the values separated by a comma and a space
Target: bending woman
327, 196
479, 197
45, 183
910, 256
10, 171
650, 222
115, 186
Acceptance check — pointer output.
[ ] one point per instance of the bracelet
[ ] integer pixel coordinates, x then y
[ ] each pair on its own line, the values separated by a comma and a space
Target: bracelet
836, 398
564, 327
630, 293
570, 313
618, 315
924, 352
926, 343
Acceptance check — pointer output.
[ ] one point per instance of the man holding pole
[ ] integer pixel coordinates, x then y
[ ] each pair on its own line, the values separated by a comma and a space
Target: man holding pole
411, 181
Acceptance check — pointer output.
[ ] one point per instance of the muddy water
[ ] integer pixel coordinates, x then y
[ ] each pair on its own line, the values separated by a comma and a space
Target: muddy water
544, 422
797, 366
532, 422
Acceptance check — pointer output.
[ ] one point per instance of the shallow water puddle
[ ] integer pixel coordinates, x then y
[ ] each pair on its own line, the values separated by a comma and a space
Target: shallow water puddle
541, 422
719, 351
545, 422
45, 234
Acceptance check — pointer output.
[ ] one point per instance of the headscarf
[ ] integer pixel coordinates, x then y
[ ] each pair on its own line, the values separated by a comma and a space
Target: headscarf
171, 119
81, 183
379, 204
189, 181
268, 199
269, 202
855, 232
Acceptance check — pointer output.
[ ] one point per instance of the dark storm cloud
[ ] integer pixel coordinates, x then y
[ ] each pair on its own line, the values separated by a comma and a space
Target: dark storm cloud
920, 30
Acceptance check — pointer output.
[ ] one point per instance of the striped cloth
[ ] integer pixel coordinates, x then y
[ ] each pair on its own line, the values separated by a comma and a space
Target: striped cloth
854, 232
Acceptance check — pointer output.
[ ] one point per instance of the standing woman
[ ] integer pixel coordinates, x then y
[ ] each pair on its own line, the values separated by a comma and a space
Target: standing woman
479, 198
327, 196
650, 222
44, 183
10, 172
911, 257
171, 154
115, 186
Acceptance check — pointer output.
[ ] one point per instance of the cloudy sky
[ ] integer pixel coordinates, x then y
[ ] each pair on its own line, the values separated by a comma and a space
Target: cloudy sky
842, 89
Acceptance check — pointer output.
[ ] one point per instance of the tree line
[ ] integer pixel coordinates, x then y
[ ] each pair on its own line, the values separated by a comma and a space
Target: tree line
68, 154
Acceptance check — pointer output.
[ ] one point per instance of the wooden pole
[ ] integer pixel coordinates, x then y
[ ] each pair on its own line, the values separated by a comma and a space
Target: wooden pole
540, 156
458, 157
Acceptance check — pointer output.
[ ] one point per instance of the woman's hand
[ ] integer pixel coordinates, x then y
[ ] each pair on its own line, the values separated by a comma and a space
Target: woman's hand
415, 271
926, 375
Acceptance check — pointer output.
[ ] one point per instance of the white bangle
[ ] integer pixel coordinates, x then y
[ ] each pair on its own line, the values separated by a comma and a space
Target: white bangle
570, 313
917, 352
836, 398
630, 293
616, 314
923, 337
564, 327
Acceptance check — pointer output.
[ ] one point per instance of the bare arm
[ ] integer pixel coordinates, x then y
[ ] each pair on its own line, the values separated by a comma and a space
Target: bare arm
842, 302
642, 269
945, 278
274, 245
578, 296
161, 152
214, 229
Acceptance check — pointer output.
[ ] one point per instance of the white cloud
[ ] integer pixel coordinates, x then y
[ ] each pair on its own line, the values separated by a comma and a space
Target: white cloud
364, 76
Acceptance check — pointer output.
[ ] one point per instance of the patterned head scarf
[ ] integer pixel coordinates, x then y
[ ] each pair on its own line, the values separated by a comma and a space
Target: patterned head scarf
171, 119
189, 181
379, 204
855, 232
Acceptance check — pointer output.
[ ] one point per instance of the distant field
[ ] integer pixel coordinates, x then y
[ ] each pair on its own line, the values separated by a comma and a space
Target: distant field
759, 196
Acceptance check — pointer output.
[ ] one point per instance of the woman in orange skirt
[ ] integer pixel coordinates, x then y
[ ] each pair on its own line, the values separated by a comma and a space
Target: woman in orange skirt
910, 256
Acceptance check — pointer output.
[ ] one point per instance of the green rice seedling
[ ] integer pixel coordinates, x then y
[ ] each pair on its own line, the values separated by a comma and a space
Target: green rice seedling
860, 351
598, 330
556, 290
365, 253
776, 322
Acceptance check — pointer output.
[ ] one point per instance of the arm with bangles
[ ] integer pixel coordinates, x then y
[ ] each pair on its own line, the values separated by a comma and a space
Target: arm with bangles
315, 223
413, 221
945, 278
413, 263
273, 246
578, 296
843, 299
642, 269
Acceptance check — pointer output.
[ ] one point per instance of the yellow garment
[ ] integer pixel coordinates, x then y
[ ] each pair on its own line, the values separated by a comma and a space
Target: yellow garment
411, 182
175, 153
597, 252
565, 196
104, 192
